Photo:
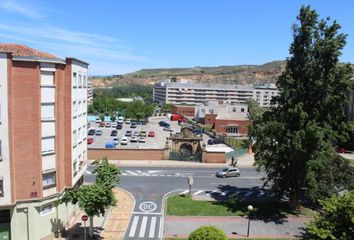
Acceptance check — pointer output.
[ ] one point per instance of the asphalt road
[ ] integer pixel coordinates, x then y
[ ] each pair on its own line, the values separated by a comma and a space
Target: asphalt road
149, 186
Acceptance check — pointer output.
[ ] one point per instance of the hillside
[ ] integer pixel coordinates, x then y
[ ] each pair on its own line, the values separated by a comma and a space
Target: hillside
241, 74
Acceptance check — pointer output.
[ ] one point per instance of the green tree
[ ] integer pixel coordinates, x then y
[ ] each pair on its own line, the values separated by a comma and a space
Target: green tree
113, 118
335, 221
207, 232
96, 198
294, 141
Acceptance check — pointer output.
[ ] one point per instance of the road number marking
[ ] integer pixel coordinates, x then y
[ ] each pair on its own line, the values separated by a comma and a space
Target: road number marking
147, 207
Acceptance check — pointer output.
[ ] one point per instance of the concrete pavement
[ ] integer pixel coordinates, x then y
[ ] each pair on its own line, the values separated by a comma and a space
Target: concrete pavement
235, 227
246, 160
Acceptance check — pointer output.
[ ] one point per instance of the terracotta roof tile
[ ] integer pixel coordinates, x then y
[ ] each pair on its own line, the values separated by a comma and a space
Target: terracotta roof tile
24, 51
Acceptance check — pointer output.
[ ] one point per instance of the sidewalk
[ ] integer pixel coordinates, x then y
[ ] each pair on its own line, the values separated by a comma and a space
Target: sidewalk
111, 226
118, 219
246, 160
235, 227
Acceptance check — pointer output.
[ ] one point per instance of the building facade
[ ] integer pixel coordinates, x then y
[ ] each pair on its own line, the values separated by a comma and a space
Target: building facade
43, 149
195, 93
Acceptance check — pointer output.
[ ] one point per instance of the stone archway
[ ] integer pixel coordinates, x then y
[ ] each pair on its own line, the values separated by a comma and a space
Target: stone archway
185, 146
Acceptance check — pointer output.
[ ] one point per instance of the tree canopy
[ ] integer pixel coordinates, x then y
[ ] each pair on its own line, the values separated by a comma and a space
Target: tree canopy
295, 139
335, 221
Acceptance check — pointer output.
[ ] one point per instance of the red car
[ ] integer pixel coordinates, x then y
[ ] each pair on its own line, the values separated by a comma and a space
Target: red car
89, 140
151, 134
102, 124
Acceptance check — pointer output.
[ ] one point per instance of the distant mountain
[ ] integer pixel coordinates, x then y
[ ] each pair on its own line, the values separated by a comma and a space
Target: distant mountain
240, 74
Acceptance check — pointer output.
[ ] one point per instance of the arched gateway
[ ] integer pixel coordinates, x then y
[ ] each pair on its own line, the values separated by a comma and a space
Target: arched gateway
185, 146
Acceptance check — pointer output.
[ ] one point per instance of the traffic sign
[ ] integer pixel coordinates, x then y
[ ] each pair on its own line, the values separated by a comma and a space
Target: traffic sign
84, 218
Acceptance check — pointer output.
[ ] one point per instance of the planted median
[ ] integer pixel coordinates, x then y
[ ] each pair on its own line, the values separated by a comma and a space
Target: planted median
186, 206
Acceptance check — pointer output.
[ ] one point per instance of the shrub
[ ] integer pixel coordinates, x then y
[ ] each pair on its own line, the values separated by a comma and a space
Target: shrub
207, 233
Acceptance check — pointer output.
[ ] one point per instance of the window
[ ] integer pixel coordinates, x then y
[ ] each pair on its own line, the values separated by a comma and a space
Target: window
5, 216
48, 179
47, 112
48, 145
47, 209
80, 84
47, 78
242, 110
234, 109
74, 138
75, 168
1, 187
75, 79
232, 129
84, 79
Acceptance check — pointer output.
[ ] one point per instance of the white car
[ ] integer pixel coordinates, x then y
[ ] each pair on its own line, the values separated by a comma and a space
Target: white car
114, 125
142, 139
121, 120
133, 139
124, 141
127, 121
116, 141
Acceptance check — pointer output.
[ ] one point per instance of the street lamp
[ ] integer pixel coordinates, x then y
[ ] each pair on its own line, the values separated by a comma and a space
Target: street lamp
250, 208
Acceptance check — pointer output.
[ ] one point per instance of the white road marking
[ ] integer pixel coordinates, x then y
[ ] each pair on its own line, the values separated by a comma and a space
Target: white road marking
133, 227
248, 194
184, 192
143, 227
131, 172
196, 193
146, 213
152, 227
139, 171
124, 174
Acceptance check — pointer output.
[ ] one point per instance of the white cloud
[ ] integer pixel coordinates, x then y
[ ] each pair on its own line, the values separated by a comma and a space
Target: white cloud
20, 8
105, 54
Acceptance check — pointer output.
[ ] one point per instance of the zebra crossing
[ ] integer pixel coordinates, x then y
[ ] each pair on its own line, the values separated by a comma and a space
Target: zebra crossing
150, 173
144, 226
250, 193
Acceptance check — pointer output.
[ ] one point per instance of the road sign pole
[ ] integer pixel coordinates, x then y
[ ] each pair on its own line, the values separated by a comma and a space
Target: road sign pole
85, 230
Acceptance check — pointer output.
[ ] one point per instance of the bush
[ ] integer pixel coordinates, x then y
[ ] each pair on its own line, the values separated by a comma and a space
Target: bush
207, 233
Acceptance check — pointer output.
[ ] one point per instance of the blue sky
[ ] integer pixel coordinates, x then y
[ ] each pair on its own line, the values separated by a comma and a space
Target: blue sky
117, 36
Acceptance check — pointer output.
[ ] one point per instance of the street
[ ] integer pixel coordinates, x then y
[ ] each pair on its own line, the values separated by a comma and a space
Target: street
149, 185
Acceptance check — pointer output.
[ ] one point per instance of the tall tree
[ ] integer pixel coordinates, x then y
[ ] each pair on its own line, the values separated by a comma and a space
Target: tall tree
294, 141
96, 198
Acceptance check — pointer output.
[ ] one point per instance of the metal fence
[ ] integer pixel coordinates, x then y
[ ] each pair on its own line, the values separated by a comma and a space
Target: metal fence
236, 153
179, 156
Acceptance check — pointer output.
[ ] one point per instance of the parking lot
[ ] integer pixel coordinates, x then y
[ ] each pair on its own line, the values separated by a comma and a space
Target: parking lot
156, 142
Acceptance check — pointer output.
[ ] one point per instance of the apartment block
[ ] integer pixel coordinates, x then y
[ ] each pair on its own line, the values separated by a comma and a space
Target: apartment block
43, 149
188, 92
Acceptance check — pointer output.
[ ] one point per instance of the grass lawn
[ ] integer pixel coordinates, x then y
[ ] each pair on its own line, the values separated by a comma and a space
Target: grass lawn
185, 206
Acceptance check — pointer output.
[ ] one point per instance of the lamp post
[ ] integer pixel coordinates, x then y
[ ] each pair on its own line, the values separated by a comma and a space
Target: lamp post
250, 208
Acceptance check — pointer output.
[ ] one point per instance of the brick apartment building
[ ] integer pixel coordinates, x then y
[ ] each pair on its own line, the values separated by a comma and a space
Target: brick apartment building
43, 149
184, 110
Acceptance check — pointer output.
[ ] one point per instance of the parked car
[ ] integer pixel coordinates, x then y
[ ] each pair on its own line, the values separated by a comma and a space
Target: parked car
151, 134
168, 129
133, 125
198, 131
114, 133
213, 141
108, 125
116, 141
133, 122
340, 150
102, 124
128, 133
114, 125
228, 172
91, 132
136, 134
110, 145
99, 132
142, 139
89, 140
120, 120
133, 139
142, 133
119, 126
124, 141
127, 121
164, 124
